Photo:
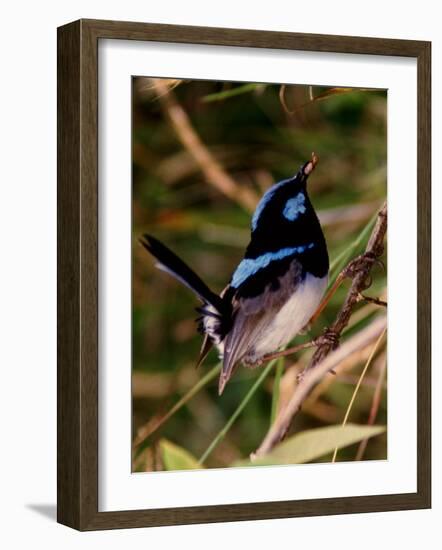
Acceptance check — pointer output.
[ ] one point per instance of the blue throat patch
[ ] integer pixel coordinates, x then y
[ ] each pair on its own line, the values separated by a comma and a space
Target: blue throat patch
294, 207
249, 266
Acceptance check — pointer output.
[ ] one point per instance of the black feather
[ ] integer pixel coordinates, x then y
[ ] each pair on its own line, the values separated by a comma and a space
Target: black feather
169, 261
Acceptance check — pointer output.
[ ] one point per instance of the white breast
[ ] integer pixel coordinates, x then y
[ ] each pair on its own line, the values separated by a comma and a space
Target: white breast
293, 316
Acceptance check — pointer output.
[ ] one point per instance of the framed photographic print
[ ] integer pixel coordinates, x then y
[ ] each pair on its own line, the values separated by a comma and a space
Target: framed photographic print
223, 276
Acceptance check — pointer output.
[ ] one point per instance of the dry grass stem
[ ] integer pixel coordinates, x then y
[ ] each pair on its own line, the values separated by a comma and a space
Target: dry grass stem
364, 338
211, 168
375, 404
358, 385
359, 270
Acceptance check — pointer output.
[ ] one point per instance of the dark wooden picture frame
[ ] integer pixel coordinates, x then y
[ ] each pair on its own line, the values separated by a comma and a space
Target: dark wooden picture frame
77, 433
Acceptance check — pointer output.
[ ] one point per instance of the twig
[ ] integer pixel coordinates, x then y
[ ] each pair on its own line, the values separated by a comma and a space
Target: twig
189, 138
371, 300
313, 404
359, 270
356, 358
312, 377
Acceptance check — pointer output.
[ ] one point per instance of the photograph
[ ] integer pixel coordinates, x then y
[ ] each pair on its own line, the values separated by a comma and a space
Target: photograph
259, 253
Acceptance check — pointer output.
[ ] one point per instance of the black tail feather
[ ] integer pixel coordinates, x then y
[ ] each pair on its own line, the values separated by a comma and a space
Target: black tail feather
169, 262
205, 348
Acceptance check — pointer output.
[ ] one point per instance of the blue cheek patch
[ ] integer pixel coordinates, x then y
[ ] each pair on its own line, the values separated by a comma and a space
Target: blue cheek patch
249, 266
294, 207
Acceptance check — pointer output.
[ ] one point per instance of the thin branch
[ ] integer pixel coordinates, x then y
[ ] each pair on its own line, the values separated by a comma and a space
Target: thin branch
313, 376
189, 138
359, 270
372, 300
313, 405
356, 358
282, 100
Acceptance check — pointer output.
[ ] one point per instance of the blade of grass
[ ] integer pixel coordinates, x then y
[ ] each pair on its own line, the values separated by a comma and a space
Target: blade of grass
375, 404
358, 385
226, 94
339, 91
148, 429
276, 389
320, 97
222, 433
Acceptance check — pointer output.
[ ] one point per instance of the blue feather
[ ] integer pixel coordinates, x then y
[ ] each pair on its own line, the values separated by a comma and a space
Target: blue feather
294, 207
265, 200
249, 266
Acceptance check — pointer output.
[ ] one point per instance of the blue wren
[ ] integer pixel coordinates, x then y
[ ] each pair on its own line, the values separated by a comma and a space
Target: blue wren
275, 289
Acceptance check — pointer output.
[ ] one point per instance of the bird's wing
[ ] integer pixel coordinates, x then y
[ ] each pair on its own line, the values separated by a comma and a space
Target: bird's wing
253, 316
244, 334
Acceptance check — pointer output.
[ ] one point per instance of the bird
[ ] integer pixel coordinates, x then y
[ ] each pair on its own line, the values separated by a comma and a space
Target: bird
276, 287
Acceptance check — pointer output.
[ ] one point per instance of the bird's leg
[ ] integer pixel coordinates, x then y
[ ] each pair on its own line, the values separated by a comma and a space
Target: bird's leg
288, 351
329, 337
252, 362
327, 298
362, 262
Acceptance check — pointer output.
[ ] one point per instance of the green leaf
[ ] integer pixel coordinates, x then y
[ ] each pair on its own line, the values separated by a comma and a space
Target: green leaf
276, 389
312, 444
177, 458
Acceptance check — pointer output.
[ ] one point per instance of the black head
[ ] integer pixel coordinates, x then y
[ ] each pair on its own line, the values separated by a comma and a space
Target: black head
284, 225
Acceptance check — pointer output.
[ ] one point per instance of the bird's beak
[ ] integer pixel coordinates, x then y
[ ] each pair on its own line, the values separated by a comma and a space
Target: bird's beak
310, 165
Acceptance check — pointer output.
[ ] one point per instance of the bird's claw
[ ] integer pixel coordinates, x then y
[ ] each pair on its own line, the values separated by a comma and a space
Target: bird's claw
328, 338
252, 363
362, 262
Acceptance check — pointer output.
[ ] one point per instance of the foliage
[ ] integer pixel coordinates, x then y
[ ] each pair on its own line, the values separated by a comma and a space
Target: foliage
306, 446
310, 445
257, 138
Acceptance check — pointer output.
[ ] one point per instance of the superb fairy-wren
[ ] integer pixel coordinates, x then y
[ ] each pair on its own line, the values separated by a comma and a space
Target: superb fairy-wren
275, 289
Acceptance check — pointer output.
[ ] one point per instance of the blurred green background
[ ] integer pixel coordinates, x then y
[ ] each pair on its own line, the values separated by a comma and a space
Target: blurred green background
255, 134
